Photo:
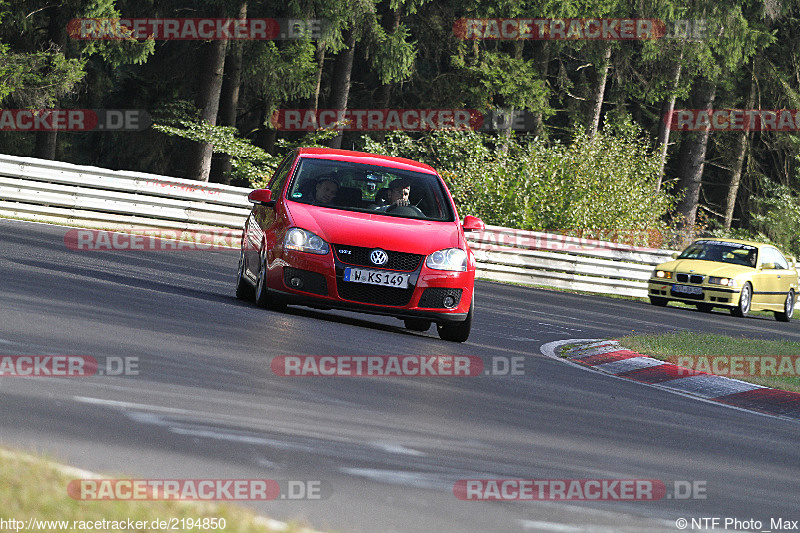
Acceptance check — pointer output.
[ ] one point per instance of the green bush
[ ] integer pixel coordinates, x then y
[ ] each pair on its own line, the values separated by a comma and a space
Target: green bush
775, 218
587, 187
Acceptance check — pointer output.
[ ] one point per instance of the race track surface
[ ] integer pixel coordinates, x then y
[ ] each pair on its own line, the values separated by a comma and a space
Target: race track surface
206, 404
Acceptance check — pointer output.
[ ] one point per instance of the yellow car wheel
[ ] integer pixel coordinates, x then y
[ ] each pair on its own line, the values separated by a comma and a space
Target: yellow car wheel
745, 300
788, 308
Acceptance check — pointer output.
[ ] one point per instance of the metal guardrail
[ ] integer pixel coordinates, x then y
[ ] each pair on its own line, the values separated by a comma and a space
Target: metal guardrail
64, 193
52, 191
550, 260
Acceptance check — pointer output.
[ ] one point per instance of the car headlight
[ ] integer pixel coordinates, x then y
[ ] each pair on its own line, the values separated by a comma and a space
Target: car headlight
304, 241
728, 282
662, 274
448, 259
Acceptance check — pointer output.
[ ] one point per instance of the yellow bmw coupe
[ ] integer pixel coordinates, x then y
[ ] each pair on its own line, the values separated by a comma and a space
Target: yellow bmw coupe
741, 276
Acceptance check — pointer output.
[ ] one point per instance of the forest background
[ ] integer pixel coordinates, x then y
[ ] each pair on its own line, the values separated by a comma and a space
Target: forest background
595, 158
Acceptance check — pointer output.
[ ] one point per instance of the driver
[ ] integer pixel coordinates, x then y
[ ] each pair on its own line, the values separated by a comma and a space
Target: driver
398, 192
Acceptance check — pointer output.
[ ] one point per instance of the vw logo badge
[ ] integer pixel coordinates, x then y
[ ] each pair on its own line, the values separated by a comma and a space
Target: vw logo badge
378, 257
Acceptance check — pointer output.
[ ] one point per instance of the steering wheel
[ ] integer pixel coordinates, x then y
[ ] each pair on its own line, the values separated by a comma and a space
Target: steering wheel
405, 210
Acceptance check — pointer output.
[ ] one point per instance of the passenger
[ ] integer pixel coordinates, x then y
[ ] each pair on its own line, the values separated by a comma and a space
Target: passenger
325, 190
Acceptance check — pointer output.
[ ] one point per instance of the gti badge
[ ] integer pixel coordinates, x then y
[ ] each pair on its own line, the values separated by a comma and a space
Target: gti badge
378, 257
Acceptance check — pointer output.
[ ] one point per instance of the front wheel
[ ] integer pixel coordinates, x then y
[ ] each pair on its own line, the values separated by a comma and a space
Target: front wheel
244, 291
788, 308
262, 296
458, 331
746, 298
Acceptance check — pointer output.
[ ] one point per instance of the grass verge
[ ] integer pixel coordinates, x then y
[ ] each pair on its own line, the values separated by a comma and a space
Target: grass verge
771, 366
33, 487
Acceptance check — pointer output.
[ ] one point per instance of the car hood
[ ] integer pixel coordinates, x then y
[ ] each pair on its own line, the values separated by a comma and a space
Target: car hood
705, 268
376, 231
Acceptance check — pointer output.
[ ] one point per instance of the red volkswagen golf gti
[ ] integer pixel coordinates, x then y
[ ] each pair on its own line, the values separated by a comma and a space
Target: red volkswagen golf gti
362, 232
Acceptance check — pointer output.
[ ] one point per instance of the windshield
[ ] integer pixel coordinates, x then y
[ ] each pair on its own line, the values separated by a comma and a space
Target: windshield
722, 252
368, 188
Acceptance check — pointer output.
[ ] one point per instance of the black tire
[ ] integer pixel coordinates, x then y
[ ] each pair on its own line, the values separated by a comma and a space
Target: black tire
788, 308
458, 331
745, 301
262, 296
244, 291
417, 324
660, 302
704, 307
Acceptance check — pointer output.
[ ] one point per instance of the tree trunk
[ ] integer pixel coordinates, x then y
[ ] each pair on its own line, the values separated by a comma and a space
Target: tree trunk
666, 113
45, 145
312, 102
212, 69
505, 127
692, 158
265, 138
229, 102
391, 25
340, 84
538, 118
46, 141
741, 151
601, 90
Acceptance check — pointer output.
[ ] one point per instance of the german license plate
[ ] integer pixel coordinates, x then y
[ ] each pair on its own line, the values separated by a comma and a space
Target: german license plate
376, 277
687, 289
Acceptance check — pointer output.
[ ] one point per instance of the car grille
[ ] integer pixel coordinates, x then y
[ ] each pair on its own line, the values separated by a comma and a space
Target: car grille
359, 256
433, 297
374, 294
694, 278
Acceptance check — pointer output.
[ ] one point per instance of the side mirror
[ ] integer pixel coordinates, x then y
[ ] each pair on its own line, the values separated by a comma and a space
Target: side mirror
675, 255
473, 224
261, 197
767, 266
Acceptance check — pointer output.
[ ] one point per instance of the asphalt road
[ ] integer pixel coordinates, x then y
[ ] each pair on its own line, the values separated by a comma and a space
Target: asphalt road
205, 403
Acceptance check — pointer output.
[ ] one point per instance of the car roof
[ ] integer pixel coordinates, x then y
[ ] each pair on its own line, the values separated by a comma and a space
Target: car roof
365, 158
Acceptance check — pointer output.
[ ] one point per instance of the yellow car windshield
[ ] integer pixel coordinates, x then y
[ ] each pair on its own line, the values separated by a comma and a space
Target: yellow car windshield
722, 252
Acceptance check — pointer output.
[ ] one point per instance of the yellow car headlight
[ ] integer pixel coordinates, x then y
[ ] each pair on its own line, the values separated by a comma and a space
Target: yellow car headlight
662, 274
727, 282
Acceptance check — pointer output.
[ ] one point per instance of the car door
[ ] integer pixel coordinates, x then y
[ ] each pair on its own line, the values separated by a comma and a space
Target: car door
762, 281
774, 273
785, 276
